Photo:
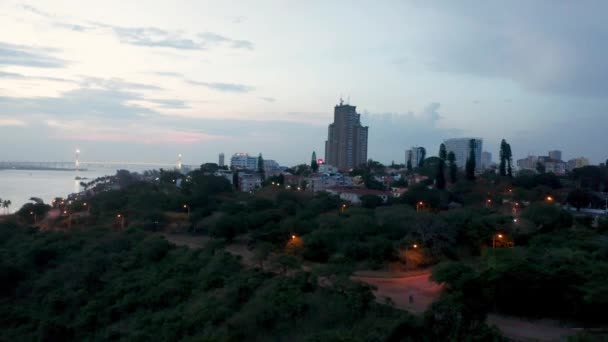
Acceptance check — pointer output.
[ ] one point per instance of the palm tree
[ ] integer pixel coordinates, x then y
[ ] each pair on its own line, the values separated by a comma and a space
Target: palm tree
6, 204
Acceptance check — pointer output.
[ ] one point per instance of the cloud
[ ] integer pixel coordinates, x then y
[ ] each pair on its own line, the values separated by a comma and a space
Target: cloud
168, 74
115, 83
4, 122
534, 44
157, 37
16, 76
224, 87
267, 99
390, 134
170, 104
82, 102
21, 55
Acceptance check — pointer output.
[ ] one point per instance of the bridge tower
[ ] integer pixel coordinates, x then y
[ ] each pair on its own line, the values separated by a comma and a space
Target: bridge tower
179, 161
77, 161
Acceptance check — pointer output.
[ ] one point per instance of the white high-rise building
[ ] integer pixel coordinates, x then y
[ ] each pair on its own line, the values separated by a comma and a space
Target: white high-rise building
462, 150
242, 161
221, 160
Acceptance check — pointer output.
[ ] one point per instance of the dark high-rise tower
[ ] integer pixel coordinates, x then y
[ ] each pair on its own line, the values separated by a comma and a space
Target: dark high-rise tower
346, 145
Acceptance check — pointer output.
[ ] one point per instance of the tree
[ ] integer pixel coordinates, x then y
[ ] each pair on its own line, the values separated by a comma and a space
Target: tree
443, 153
470, 165
440, 179
261, 167
209, 168
540, 167
235, 180
509, 159
421, 155
6, 204
452, 167
314, 166
578, 199
502, 166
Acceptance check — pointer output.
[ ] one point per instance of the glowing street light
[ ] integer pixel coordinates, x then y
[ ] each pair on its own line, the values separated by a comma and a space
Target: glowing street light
121, 219
293, 237
187, 207
549, 199
419, 205
407, 264
34, 215
499, 236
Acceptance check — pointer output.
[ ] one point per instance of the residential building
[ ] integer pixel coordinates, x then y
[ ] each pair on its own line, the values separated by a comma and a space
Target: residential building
462, 150
555, 166
353, 195
528, 163
555, 154
221, 160
486, 160
577, 163
249, 181
242, 161
226, 174
271, 167
346, 145
415, 155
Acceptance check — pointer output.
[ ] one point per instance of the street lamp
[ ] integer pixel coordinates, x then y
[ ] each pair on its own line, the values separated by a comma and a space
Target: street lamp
549, 199
35, 217
419, 205
293, 237
499, 236
407, 264
121, 218
488, 203
187, 207
342, 208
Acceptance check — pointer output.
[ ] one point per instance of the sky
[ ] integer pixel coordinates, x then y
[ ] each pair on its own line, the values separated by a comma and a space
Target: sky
146, 81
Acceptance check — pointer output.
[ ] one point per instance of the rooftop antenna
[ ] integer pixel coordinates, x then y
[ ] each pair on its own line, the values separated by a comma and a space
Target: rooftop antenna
341, 100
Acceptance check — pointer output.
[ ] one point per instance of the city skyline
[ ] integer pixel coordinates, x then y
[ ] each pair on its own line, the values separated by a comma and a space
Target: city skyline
201, 79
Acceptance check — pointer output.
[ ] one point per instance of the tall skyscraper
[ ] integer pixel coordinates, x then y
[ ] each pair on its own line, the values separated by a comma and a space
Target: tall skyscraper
221, 161
346, 145
461, 149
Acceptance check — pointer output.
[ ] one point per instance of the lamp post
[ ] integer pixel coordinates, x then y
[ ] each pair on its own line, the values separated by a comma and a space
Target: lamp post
407, 264
419, 205
342, 208
121, 219
187, 207
85, 204
35, 216
499, 236
488, 203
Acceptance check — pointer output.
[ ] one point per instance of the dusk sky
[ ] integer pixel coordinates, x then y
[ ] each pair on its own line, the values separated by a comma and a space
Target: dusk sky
145, 80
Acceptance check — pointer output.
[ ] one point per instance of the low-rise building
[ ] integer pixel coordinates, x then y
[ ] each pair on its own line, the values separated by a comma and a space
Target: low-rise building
577, 163
353, 195
249, 181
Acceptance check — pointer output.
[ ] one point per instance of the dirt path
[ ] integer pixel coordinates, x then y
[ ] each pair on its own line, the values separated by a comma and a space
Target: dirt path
399, 289
424, 291
519, 329
398, 286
